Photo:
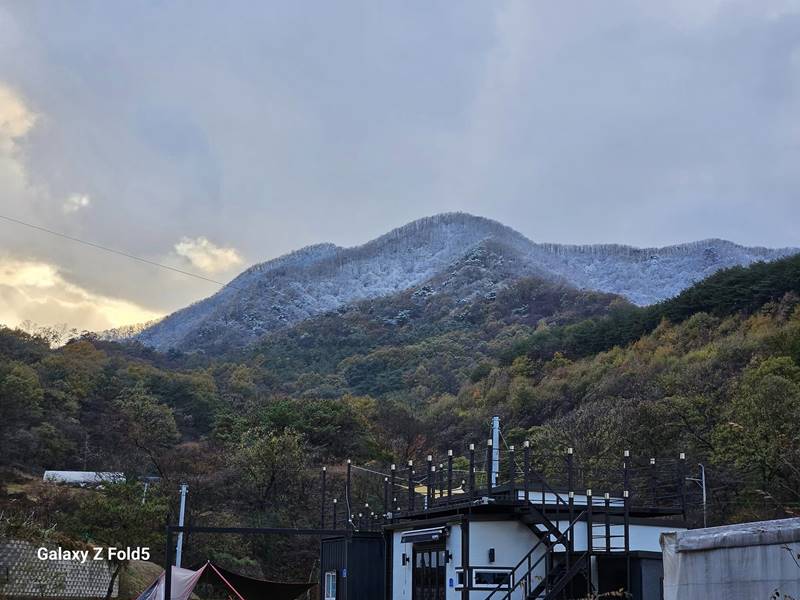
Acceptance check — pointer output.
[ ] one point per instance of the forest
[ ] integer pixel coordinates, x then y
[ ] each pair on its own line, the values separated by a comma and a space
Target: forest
713, 372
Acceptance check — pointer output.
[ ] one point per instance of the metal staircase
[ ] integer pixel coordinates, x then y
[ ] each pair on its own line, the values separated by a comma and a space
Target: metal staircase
554, 544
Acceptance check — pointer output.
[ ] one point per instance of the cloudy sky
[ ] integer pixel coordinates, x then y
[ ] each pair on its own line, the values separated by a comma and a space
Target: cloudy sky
209, 136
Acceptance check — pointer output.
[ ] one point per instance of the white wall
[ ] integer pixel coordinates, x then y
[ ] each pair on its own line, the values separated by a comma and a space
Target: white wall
510, 539
642, 537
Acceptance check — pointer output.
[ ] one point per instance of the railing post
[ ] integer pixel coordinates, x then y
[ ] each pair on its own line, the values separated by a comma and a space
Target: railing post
653, 481
682, 482
570, 545
410, 485
607, 505
489, 466
589, 542
626, 536
449, 474
386, 508
527, 471
512, 475
626, 470
322, 502
392, 488
571, 491
441, 480
432, 487
471, 474
430, 470
348, 493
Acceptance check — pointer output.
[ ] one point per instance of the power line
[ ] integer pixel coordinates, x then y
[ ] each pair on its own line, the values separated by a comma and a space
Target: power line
110, 250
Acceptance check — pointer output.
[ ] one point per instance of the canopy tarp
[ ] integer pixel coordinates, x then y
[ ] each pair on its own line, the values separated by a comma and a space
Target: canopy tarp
242, 588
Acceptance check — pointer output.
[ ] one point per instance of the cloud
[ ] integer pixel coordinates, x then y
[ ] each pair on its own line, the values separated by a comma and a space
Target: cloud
37, 291
15, 118
632, 122
76, 202
206, 255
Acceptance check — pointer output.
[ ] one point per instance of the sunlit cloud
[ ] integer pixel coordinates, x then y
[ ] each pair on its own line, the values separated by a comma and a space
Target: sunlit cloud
15, 118
207, 256
38, 292
76, 202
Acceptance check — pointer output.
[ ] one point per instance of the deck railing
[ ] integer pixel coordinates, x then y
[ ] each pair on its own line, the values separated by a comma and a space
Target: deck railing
365, 497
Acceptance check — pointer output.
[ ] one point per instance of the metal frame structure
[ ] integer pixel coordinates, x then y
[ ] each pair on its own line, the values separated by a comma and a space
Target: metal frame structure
540, 487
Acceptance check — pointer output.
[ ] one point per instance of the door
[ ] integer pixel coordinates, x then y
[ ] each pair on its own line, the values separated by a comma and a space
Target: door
428, 575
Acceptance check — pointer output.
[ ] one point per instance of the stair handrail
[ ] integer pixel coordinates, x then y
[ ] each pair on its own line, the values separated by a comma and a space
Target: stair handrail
548, 488
558, 540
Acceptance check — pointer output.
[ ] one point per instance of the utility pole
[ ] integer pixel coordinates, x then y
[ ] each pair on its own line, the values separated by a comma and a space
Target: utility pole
179, 545
495, 449
701, 481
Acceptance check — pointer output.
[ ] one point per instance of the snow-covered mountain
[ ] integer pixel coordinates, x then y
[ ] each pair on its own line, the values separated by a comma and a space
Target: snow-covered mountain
325, 277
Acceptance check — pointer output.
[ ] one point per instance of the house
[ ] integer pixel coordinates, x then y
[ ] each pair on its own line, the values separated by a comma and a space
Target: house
522, 531
735, 562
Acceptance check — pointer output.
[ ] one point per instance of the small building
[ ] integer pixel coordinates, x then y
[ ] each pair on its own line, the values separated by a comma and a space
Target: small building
476, 533
353, 567
501, 547
734, 562
83, 478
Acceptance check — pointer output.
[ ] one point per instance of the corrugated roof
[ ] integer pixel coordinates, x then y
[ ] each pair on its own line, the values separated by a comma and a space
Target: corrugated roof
758, 533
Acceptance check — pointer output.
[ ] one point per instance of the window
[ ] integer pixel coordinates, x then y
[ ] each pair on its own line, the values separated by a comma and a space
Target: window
459, 578
330, 585
491, 578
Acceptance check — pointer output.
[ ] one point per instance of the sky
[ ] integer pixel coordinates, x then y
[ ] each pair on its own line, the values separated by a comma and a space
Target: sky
211, 136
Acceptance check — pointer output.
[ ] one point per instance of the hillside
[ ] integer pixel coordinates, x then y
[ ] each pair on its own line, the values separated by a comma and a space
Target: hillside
318, 279
714, 372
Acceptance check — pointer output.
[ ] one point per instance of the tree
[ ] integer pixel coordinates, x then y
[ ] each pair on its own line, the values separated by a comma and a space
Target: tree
147, 424
120, 515
20, 403
271, 463
760, 432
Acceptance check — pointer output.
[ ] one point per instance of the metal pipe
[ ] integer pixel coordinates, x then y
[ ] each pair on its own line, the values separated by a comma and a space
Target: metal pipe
495, 450
181, 513
490, 477
701, 481
703, 484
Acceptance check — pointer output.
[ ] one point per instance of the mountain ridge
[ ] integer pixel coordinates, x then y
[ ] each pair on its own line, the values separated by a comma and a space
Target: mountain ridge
324, 277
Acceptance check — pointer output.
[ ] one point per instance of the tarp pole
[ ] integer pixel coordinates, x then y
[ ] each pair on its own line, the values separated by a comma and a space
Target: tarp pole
168, 565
